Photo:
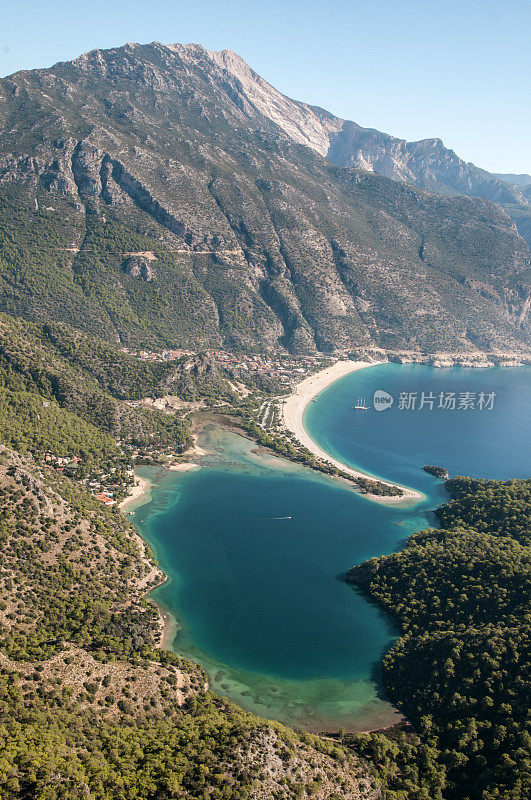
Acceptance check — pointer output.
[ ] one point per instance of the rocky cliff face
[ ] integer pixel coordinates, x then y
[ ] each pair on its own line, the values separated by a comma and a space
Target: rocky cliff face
427, 163
167, 195
302, 123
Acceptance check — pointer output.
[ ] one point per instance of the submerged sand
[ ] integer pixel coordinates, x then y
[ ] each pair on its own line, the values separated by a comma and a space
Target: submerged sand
183, 466
293, 408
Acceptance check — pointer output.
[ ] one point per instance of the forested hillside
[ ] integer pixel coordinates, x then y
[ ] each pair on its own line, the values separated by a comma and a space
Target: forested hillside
57, 384
81, 672
147, 200
89, 706
460, 670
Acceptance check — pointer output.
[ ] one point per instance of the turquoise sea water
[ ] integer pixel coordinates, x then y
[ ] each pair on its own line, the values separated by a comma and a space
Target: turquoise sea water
255, 548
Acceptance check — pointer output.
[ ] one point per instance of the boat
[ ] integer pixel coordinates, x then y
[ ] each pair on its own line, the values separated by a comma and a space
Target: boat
360, 405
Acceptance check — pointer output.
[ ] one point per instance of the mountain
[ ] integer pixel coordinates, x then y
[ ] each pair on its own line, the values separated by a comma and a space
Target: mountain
516, 180
154, 194
427, 164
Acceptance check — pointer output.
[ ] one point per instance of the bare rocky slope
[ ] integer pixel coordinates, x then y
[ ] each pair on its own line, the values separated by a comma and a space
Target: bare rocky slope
427, 164
155, 194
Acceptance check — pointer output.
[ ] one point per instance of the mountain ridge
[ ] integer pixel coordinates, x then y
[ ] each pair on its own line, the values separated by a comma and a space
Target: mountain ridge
146, 198
520, 179
426, 163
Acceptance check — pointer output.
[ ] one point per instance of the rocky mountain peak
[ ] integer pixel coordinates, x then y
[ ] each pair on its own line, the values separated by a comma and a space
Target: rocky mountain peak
159, 194
434, 143
426, 163
299, 120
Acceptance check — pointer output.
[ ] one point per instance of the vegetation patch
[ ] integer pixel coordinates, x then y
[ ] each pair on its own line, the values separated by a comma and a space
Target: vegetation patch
460, 670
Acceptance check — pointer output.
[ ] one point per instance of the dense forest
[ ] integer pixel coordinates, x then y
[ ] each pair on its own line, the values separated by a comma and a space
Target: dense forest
78, 393
460, 670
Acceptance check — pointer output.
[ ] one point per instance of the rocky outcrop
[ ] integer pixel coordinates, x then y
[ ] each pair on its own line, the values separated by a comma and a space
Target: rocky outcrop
138, 267
437, 472
362, 574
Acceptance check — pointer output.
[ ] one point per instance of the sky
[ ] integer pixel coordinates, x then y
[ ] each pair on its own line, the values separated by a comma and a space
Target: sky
459, 70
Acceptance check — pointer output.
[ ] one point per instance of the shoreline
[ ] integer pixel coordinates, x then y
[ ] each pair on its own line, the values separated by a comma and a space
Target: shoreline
155, 577
169, 626
294, 406
139, 494
169, 623
378, 715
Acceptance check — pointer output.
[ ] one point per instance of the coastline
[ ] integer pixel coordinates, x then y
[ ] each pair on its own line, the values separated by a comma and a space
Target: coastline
139, 494
376, 713
155, 576
294, 406
169, 623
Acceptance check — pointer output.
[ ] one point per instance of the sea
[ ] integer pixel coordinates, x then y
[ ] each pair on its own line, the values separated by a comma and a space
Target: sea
255, 548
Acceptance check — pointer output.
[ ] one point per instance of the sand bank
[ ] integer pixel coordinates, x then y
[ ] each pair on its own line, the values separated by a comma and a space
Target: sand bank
293, 408
139, 493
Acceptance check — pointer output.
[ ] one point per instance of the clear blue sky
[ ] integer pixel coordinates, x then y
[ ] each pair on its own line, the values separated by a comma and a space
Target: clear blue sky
456, 69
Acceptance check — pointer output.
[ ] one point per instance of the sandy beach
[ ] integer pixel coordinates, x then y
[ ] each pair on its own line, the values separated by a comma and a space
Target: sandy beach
195, 450
293, 411
183, 466
139, 492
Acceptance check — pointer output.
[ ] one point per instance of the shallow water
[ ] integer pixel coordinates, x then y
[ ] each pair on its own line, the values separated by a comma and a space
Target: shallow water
255, 547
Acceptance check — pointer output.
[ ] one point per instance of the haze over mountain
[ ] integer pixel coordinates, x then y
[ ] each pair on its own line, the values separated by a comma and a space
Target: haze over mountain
522, 179
157, 194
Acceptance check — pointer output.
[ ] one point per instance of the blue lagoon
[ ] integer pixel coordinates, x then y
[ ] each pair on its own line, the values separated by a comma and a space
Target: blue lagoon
255, 548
